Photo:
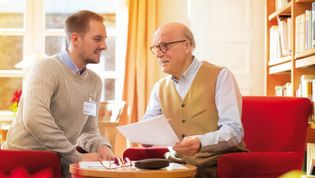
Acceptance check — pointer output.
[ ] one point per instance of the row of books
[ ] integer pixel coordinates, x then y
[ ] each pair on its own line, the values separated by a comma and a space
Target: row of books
280, 39
306, 88
284, 90
304, 33
281, 35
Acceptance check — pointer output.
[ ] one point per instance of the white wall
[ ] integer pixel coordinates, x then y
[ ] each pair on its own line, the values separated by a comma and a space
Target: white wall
228, 33
173, 11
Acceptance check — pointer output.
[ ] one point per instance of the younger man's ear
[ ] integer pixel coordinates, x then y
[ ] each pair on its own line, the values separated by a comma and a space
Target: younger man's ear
75, 37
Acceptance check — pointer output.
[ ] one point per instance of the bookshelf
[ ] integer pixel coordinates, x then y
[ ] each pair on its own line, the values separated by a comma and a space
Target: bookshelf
298, 58
290, 67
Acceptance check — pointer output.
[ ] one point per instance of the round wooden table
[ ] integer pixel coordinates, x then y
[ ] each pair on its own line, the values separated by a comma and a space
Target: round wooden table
133, 172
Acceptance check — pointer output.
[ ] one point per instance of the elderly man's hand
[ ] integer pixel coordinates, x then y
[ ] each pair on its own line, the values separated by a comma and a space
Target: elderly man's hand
105, 153
188, 146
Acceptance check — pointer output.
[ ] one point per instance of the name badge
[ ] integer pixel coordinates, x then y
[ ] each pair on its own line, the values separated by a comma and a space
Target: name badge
89, 108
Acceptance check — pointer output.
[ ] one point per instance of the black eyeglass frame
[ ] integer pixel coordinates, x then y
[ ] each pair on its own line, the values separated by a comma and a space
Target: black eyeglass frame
163, 46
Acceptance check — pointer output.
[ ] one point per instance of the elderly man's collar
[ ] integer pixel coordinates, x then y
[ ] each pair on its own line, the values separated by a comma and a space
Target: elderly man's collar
187, 72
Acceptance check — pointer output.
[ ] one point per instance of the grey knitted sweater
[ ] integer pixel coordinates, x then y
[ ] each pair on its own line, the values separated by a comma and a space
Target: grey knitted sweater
50, 114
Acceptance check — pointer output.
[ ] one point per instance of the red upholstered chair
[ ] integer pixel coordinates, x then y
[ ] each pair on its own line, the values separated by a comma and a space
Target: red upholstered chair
21, 172
275, 131
32, 161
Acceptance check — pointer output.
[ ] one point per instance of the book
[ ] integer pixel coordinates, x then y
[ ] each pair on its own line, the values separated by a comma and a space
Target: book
278, 91
306, 85
313, 24
308, 28
310, 157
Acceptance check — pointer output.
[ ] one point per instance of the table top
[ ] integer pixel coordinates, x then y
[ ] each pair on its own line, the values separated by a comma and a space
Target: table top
133, 172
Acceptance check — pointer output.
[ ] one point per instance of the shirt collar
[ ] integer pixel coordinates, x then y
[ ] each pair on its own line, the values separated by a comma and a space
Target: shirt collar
189, 71
66, 59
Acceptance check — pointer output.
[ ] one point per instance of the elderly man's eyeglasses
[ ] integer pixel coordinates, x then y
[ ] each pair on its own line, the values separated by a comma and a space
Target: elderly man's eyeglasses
163, 47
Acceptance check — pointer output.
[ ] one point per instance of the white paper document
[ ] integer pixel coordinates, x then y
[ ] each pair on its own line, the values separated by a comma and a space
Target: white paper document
176, 166
153, 131
101, 165
91, 165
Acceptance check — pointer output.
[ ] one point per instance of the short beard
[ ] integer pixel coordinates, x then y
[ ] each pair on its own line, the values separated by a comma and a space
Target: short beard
91, 61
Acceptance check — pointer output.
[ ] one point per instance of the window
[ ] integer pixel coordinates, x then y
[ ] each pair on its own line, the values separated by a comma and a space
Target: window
11, 45
32, 27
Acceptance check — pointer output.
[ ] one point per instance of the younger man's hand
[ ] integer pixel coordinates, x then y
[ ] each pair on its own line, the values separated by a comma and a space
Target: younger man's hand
91, 157
105, 153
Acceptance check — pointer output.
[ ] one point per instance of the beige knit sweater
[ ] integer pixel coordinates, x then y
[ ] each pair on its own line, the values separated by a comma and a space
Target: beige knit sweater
50, 115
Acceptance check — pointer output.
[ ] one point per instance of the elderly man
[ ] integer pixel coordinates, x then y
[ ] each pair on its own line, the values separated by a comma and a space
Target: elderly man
202, 101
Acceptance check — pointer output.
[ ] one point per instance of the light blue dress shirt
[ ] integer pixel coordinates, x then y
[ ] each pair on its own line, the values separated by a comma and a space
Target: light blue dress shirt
228, 102
66, 59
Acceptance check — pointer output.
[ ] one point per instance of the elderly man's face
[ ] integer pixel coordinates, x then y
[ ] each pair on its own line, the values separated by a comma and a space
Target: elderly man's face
172, 51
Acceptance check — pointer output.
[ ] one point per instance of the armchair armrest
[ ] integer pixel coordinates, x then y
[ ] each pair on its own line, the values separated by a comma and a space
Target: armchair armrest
33, 161
138, 153
257, 164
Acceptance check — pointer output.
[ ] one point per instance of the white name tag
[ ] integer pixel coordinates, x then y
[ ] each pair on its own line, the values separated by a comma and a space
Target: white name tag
89, 108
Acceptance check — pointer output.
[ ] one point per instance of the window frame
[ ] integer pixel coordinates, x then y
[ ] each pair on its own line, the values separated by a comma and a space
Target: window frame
34, 32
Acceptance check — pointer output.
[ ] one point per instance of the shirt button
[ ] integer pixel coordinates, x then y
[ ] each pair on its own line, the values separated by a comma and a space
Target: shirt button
183, 121
183, 105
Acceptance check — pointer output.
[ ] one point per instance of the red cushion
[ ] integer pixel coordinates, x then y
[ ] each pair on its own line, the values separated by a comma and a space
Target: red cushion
33, 161
21, 172
46, 173
145, 153
257, 164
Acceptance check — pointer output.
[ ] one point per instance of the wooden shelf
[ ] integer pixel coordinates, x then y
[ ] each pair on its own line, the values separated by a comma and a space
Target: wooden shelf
109, 122
305, 53
305, 62
285, 67
279, 61
303, 1
307, 176
282, 12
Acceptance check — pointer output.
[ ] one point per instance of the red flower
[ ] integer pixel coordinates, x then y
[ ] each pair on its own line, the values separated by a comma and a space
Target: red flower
15, 101
16, 96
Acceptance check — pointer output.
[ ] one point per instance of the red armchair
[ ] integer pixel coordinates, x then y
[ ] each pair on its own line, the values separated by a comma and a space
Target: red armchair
274, 132
32, 161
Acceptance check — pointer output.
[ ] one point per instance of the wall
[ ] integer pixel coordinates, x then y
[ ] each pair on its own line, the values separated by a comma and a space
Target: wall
173, 11
228, 33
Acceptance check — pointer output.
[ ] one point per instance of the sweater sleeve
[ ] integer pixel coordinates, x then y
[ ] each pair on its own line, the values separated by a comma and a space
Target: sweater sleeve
37, 117
90, 139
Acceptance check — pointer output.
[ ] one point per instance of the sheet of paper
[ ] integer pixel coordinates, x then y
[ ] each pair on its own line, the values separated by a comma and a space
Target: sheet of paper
101, 165
176, 166
91, 165
153, 131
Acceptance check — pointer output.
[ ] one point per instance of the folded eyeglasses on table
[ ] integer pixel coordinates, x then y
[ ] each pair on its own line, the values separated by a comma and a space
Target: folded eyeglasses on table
153, 163
116, 163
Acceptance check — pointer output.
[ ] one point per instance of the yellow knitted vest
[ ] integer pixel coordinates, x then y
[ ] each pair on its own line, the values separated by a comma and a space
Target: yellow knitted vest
196, 114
